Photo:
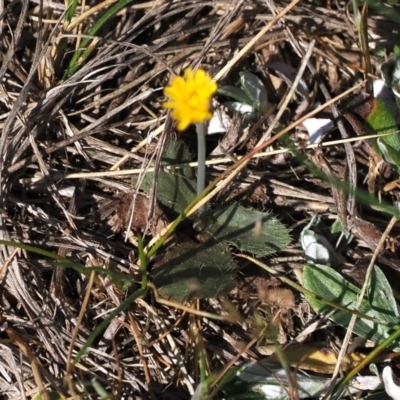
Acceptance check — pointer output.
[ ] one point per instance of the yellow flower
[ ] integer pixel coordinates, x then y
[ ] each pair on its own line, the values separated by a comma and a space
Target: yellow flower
190, 97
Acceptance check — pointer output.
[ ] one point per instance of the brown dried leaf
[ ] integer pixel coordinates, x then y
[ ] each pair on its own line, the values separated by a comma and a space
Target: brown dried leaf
277, 297
141, 210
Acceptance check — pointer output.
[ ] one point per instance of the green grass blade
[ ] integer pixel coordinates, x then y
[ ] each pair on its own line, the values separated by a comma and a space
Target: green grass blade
84, 52
72, 4
92, 337
143, 262
122, 281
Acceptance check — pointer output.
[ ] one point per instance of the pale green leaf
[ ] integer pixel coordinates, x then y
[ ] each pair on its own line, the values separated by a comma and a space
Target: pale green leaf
176, 188
268, 381
194, 270
249, 230
255, 89
235, 93
325, 282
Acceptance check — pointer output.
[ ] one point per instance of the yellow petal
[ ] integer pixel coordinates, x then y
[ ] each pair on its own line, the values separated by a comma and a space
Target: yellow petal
190, 97
168, 104
188, 74
183, 124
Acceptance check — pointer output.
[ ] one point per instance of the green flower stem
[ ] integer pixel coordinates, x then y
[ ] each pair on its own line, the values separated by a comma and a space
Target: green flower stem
153, 248
143, 262
201, 130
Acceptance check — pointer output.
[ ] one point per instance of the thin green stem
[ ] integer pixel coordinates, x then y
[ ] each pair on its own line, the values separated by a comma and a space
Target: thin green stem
143, 262
367, 360
201, 130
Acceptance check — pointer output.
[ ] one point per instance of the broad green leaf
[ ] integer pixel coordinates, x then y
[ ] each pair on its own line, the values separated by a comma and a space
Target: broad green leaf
194, 270
389, 153
337, 226
255, 90
268, 381
380, 296
235, 93
247, 229
175, 189
381, 120
176, 151
325, 282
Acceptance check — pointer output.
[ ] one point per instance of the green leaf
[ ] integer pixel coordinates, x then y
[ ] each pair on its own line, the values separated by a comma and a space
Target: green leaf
381, 120
378, 120
380, 296
328, 284
175, 189
193, 271
236, 93
389, 153
176, 151
248, 229
268, 381
255, 90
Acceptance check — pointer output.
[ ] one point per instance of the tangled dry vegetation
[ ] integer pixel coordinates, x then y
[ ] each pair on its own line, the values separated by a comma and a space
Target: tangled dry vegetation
66, 135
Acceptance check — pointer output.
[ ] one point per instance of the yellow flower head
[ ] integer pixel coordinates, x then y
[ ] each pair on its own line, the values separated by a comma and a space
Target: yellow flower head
190, 97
